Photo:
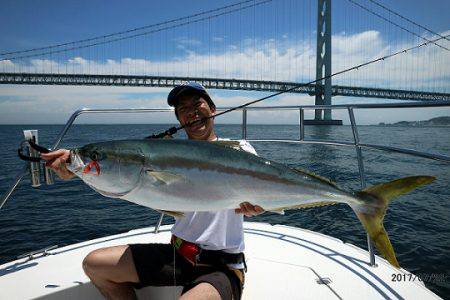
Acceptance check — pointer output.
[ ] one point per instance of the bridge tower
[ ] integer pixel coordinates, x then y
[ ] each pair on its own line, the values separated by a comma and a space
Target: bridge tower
323, 64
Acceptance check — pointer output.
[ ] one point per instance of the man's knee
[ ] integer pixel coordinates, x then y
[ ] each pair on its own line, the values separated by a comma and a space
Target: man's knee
112, 263
93, 262
202, 290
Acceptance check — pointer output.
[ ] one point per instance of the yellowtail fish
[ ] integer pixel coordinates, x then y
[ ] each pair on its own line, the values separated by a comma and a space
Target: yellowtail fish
187, 175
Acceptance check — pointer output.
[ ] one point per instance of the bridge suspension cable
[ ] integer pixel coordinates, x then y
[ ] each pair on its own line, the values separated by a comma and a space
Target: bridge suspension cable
407, 19
334, 74
205, 16
173, 130
260, 46
398, 25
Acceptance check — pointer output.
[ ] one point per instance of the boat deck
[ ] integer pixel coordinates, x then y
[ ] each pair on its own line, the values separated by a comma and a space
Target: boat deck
283, 263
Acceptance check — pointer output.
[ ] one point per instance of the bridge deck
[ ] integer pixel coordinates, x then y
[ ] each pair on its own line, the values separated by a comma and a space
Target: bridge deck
214, 83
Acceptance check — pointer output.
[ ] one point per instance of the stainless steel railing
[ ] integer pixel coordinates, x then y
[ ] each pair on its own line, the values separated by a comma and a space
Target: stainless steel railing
301, 140
356, 141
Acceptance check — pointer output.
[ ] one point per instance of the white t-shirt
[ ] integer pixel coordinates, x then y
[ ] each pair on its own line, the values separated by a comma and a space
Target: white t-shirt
214, 230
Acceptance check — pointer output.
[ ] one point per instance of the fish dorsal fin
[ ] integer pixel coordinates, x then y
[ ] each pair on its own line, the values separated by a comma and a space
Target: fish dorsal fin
162, 177
228, 143
323, 179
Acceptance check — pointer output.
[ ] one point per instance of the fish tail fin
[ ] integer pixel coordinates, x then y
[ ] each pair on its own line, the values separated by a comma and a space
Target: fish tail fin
375, 202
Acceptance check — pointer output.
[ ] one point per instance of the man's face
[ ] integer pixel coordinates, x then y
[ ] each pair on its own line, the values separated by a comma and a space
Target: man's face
193, 108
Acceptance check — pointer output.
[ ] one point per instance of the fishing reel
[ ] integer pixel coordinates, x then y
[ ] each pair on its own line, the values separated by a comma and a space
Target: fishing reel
29, 151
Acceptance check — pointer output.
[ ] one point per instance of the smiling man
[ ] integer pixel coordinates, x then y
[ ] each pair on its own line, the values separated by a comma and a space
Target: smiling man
205, 255
192, 103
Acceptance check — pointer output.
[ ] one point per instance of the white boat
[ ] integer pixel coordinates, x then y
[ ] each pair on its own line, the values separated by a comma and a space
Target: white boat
283, 262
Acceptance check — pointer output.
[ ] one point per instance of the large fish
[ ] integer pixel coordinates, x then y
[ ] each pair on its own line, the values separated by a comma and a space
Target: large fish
187, 175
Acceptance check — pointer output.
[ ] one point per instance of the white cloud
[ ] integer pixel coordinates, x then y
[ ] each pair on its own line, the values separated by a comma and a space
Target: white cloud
284, 60
281, 60
187, 41
55, 104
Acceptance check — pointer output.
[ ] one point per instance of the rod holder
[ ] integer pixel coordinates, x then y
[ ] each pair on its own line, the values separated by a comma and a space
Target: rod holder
48, 175
35, 167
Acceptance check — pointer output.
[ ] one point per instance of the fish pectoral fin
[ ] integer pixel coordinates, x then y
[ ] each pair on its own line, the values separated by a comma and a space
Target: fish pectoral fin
172, 213
162, 177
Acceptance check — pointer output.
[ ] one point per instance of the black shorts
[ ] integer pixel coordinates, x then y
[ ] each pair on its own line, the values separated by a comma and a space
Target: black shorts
155, 266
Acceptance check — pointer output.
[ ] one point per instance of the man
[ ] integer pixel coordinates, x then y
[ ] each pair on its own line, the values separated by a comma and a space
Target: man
208, 259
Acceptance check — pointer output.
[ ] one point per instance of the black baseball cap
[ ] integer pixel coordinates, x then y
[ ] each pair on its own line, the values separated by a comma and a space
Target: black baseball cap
190, 88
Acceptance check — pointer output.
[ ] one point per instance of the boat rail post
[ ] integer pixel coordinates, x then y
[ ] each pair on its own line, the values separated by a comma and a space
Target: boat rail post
68, 125
361, 175
301, 123
161, 217
20, 175
32, 168
48, 175
244, 124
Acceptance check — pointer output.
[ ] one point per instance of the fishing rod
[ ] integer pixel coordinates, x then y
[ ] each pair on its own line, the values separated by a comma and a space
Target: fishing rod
171, 131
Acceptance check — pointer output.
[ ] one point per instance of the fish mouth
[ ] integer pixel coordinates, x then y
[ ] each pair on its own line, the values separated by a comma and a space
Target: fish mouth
78, 167
76, 164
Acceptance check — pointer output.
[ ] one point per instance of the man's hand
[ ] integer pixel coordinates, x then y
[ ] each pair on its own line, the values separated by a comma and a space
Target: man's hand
249, 210
56, 160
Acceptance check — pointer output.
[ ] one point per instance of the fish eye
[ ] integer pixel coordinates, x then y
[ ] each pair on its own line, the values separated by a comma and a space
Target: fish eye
95, 156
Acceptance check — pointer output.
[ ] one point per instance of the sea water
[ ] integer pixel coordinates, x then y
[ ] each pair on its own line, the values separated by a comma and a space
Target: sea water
418, 223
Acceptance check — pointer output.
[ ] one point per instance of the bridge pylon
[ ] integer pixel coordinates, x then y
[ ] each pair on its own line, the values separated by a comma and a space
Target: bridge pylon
323, 65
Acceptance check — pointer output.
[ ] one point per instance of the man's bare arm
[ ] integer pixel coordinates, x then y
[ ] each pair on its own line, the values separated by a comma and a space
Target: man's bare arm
56, 160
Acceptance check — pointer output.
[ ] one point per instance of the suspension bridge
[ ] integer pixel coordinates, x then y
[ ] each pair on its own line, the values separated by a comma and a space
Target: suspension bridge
258, 45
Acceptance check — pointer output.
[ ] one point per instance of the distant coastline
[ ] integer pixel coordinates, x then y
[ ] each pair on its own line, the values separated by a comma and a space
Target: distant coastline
438, 121
434, 122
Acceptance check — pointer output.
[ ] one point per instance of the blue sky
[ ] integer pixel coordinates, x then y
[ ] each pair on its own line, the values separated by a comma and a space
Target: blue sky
273, 41
26, 24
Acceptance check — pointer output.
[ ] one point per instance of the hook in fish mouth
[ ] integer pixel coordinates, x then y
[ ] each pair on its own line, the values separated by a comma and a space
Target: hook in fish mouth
89, 166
